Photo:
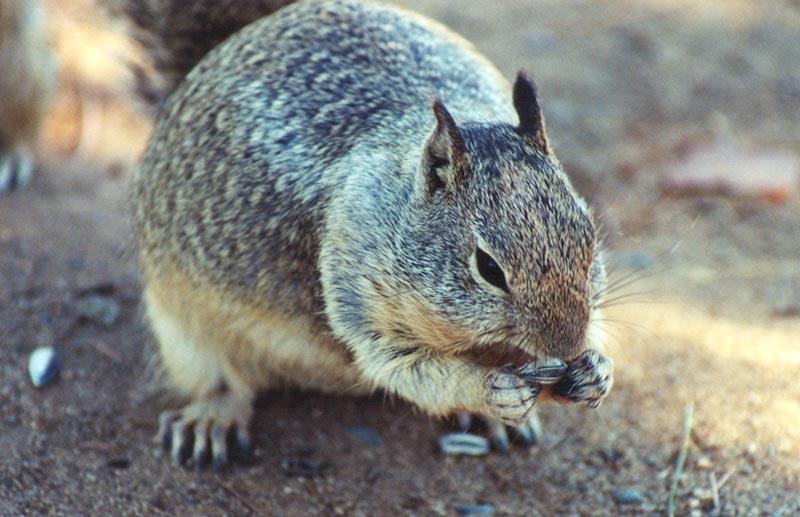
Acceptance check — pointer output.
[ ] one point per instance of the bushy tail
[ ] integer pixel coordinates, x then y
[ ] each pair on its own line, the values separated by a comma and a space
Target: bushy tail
178, 33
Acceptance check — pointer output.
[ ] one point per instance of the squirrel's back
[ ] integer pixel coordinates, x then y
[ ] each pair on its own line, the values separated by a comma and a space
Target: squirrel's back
275, 111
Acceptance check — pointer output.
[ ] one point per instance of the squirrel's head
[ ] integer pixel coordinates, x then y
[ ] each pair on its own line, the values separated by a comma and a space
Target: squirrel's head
499, 249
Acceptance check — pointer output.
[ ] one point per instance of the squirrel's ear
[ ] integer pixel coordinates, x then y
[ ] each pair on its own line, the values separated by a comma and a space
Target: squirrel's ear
444, 160
531, 120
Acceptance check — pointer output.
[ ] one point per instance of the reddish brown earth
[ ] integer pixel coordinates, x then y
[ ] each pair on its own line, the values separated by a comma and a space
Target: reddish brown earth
629, 88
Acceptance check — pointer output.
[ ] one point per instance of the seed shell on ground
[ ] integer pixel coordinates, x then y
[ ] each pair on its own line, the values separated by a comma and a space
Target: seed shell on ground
464, 444
627, 496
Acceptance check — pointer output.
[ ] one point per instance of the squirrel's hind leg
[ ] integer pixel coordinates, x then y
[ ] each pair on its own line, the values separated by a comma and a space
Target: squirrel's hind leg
195, 348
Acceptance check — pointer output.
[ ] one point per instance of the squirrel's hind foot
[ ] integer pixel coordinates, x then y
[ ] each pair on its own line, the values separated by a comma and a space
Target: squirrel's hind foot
15, 171
215, 429
528, 433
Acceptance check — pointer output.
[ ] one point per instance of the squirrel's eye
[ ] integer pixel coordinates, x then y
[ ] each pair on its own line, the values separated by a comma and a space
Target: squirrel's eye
490, 270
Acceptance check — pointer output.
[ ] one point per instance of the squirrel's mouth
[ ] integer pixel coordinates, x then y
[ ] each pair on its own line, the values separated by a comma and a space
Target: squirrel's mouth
498, 355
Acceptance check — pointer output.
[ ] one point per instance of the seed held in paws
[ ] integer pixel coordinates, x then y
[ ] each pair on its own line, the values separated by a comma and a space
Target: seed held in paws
544, 371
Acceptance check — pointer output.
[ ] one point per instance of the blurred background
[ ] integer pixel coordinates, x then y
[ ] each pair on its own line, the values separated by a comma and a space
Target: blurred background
680, 122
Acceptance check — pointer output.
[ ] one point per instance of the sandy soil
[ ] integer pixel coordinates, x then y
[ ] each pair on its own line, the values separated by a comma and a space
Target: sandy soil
713, 320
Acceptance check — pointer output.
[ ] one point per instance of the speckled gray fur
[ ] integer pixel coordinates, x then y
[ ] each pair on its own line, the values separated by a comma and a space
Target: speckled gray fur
288, 170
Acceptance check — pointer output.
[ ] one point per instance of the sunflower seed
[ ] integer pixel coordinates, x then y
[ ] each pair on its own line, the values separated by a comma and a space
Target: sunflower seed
464, 444
544, 371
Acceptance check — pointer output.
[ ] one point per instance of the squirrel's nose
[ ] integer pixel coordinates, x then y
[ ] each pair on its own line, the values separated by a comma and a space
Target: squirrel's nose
563, 327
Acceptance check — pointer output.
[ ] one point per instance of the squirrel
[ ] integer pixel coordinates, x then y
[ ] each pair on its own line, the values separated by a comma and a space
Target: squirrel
27, 84
345, 196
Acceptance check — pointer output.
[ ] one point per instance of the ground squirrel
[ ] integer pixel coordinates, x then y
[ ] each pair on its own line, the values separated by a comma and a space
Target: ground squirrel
346, 196
27, 82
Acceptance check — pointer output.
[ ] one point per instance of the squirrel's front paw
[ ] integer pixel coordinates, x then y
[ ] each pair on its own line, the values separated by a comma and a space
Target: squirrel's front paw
510, 397
589, 379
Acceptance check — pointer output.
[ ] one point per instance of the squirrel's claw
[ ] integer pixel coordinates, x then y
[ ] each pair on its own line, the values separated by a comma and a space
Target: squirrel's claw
528, 433
200, 451
498, 435
172, 436
201, 432
464, 421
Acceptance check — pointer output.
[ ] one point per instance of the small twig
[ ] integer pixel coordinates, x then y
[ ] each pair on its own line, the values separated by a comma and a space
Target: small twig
106, 350
684, 450
724, 479
712, 480
95, 445
236, 495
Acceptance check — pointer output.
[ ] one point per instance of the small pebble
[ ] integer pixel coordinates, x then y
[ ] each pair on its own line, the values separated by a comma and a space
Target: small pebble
611, 455
46, 318
299, 467
702, 494
366, 435
118, 463
474, 509
704, 463
627, 496
372, 474
98, 309
464, 444
43, 365
652, 459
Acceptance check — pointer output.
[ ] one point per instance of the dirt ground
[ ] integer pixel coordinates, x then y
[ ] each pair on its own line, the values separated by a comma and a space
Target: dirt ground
713, 320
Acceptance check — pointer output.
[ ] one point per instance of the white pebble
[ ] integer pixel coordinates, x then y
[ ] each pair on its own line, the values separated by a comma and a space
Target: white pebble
43, 365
